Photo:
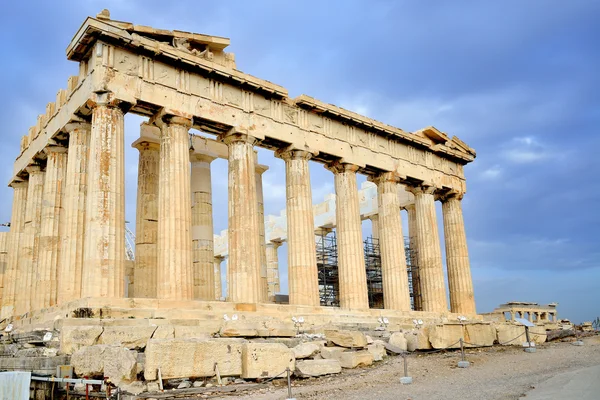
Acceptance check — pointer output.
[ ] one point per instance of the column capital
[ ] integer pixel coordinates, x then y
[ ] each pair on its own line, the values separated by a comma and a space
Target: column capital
293, 153
108, 99
453, 194
55, 149
78, 124
274, 243
387, 176
220, 258
423, 188
409, 207
261, 169
337, 167
17, 183
145, 144
33, 168
236, 135
202, 157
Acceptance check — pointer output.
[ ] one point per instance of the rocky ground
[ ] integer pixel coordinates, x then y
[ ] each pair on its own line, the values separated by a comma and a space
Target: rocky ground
495, 373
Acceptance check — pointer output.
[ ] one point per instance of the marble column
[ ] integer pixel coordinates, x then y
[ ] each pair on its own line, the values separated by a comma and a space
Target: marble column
103, 272
28, 257
429, 256
391, 244
217, 277
202, 227
460, 283
244, 263
46, 282
375, 226
175, 274
303, 276
146, 220
351, 258
74, 202
17, 223
273, 269
264, 281
413, 251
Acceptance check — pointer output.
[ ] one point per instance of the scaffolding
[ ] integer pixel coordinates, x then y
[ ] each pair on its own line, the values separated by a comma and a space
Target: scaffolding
327, 264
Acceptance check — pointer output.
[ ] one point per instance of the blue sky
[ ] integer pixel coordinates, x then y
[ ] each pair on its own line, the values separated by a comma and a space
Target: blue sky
518, 81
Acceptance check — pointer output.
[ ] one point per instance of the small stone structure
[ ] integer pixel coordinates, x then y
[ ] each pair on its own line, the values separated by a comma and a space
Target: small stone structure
540, 314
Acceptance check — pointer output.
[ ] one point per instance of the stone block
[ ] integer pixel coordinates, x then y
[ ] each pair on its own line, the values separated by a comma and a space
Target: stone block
73, 338
398, 341
306, 350
131, 337
329, 352
239, 329
412, 340
479, 335
113, 362
192, 358
266, 360
345, 338
507, 332
164, 332
377, 350
354, 359
445, 336
308, 368
191, 332
277, 329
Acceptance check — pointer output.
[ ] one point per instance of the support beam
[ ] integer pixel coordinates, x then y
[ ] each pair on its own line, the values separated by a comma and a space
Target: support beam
73, 218
146, 221
104, 250
391, 244
460, 283
202, 227
429, 256
243, 268
351, 257
175, 274
45, 283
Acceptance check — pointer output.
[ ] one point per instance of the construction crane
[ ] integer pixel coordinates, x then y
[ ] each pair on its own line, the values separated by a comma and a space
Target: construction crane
129, 243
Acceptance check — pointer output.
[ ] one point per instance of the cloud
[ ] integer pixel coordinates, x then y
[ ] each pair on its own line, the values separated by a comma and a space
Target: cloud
526, 149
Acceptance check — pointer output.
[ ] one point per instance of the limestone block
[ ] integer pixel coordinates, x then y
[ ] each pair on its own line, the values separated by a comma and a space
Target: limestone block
346, 338
239, 329
442, 336
377, 350
369, 339
306, 350
131, 337
507, 332
183, 358
330, 352
265, 360
277, 329
113, 362
354, 359
164, 332
73, 338
480, 334
134, 388
398, 340
308, 368
191, 332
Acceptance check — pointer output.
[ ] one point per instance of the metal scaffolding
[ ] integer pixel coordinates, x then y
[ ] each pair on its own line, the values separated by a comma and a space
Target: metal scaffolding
327, 264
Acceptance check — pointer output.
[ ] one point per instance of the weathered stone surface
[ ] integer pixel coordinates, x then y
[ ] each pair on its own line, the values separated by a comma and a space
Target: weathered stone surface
479, 334
377, 350
306, 350
191, 332
277, 329
113, 362
445, 336
329, 352
265, 360
308, 368
353, 359
507, 334
398, 340
346, 338
239, 329
164, 332
183, 358
131, 337
412, 340
73, 338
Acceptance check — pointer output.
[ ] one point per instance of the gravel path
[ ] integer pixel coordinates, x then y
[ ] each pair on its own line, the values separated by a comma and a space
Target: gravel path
495, 373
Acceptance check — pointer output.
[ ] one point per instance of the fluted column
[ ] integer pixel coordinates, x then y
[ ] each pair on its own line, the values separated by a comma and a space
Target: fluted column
391, 244
243, 267
45, 281
217, 277
375, 226
273, 268
303, 276
103, 272
30, 240
12, 274
146, 228
460, 283
429, 256
70, 267
264, 281
413, 251
202, 228
175, 275
351, 258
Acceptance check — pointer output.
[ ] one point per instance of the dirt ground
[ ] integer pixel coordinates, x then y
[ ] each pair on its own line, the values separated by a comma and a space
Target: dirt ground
495, 373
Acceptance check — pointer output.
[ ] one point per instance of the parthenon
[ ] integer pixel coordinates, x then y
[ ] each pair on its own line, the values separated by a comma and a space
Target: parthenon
66, 240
